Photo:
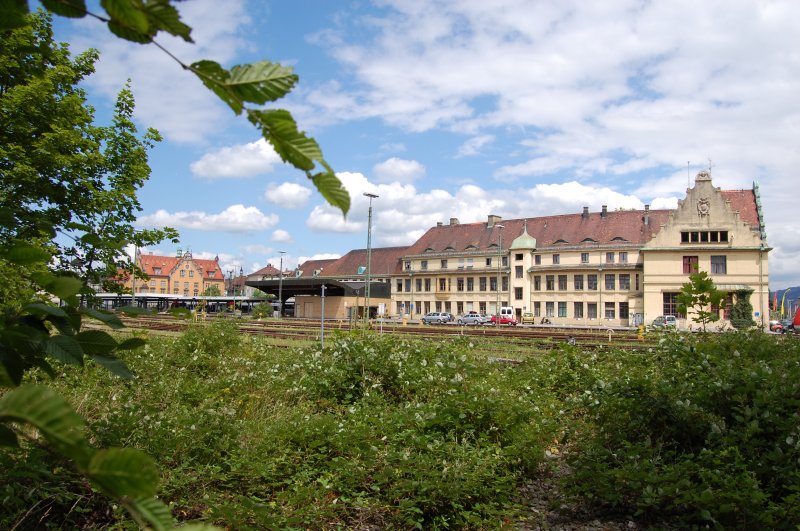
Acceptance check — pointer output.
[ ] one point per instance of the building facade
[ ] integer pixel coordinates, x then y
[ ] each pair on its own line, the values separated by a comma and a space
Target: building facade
181, 274
612, 268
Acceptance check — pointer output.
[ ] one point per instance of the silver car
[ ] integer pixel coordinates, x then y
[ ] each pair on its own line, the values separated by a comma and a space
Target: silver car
436, 317
471, 319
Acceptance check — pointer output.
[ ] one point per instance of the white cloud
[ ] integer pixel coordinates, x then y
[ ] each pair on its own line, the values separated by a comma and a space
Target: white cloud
281, 236
235, 218
473, 146
243, 160
395, 169
169, 98
288, 195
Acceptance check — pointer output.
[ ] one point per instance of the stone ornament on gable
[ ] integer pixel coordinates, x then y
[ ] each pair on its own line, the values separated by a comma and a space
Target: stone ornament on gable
703, 206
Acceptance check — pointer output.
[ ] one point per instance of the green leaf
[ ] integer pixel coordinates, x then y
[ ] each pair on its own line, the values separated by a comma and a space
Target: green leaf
115, 365
122, 472
40, 308
332, 190
12, 14
25, 254
132, 343
8, 438
109, 318
154, 511
65, 349
127, 17
262, 81
11, 370
96, 342
216, 78
55, 419
63, 286
91, 239
66, 8
162, 16
281, 131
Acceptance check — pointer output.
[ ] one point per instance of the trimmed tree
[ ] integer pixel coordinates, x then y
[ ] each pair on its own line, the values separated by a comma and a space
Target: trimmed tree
699, 296
742, 310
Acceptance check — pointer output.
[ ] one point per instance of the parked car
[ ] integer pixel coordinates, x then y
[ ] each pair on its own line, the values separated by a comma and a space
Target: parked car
776, 326
665, 321
504, 320
528, 318
786, 325
436, 317
472, 318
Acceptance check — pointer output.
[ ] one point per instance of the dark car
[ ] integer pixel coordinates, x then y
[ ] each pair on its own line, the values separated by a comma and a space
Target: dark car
786, 326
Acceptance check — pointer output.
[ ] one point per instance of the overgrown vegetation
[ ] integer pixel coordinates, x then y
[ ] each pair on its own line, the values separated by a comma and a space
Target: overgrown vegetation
382, 432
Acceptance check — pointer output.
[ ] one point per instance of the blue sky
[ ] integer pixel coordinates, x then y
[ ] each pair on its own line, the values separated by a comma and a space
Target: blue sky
463, 109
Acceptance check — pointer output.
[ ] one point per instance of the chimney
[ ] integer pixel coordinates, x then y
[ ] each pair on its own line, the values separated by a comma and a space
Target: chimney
453, 221
492, 220
604, 211
647, 214
585, 212
439, 223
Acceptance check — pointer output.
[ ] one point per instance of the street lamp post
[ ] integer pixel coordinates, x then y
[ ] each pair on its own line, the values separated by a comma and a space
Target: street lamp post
280, 286
369, 254
499, 265
241, 291
230, 289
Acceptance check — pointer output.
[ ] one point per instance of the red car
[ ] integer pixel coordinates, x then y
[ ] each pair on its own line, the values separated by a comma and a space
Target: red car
504, 320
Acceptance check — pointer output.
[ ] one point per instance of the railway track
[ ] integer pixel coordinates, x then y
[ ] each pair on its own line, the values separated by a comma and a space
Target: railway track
307, 330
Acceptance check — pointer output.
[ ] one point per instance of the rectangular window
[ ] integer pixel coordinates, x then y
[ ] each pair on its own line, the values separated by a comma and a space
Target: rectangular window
691, 264
423, 265
408, 265
442, 284
504, 261
191, 273
504, 284
183, 273
481, 308
610, 310
482, 283
610, 282
591, 310
670, 306
637, 282
624, 312
488, 262
592, 282
537, 283
470, 284
418, 284
459, 308
549, 309
399, 286
518, 294
610, 258
518, 257
577, 310
550, 282
537, 309
625, 282
460, 284
443, 264
562, 309
719, 265
578, 282
407, 284
584, 258
537, 259
562, 282
461, 263
492, 283
427, 284
470, 263
556, 259
518, 271
623, 257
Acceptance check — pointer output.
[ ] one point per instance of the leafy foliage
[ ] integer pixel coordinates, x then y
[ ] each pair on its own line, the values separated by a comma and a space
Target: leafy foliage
742, 310
701, 297
256, 83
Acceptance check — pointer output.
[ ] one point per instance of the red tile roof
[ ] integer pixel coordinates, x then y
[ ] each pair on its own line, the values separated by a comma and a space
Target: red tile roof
149, 263
383, 261
744, 202
309, 266
623, 226
268, 271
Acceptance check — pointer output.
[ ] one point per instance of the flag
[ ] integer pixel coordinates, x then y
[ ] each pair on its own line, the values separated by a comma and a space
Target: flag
775, 303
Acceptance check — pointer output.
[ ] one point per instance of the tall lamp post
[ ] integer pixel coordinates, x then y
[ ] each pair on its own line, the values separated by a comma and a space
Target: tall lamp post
241, 290
230, 288
369, 254
280, 286
499, 264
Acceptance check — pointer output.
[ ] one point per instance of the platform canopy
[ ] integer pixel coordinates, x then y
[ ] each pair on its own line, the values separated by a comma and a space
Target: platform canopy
293, 286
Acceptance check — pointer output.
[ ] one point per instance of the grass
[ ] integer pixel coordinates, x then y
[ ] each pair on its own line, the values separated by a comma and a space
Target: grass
385, 432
